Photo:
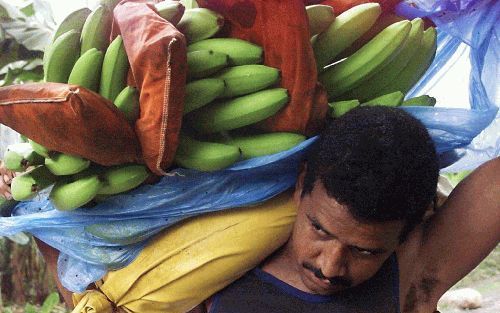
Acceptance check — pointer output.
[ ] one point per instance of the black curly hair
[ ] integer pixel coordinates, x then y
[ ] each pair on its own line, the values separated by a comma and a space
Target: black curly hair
379, 162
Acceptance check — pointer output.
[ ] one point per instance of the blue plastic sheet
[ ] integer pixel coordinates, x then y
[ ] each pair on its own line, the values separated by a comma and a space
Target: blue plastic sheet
465, 137
111, 234
127, 221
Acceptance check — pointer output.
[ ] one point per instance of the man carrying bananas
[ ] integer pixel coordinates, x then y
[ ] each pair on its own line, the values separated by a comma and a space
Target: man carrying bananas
360, 242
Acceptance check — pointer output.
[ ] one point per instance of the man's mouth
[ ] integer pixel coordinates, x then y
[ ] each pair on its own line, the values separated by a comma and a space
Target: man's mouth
336, 281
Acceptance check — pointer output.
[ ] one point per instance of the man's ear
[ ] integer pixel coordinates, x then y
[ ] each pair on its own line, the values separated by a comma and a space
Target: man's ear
299, 185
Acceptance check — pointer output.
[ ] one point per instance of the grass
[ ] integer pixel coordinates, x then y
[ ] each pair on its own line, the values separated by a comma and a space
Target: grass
485, 278
488, 268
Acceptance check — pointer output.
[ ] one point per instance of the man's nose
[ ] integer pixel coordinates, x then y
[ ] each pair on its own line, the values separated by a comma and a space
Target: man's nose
334, 260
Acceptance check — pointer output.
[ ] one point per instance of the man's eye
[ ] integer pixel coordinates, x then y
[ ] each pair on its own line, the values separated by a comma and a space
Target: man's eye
317, 227
362, 252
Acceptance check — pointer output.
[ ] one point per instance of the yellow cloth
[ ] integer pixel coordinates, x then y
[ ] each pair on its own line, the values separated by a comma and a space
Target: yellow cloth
189, 262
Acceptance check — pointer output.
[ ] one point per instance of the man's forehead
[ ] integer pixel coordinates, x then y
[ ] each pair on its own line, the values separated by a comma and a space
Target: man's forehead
338, 220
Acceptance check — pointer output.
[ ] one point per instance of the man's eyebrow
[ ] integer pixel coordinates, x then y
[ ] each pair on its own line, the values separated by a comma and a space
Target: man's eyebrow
316, 223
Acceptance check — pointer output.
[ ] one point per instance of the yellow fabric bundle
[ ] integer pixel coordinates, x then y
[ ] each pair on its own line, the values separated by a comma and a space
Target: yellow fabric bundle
189, 262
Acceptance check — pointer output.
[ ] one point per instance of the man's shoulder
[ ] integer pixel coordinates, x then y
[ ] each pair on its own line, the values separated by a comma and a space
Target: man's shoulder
208, 303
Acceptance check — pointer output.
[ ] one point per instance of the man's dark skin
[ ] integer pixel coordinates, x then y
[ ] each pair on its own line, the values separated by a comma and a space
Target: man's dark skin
328, 240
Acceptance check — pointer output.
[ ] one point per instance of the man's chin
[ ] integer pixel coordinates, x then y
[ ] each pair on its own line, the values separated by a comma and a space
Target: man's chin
326, 292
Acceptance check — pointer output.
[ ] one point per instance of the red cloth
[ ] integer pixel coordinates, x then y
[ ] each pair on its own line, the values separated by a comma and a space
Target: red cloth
70, 119
281, 28
340, 6
157, 54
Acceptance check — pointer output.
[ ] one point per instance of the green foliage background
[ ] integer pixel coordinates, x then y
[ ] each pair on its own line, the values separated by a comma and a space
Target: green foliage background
24, 33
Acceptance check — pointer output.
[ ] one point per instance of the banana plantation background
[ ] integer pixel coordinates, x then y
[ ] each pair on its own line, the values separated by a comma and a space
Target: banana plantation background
25, 30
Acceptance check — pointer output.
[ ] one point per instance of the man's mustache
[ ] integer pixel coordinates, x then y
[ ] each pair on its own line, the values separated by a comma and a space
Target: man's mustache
334, 281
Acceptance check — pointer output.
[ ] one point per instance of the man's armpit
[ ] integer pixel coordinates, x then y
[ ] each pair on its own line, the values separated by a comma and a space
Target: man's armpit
420, 295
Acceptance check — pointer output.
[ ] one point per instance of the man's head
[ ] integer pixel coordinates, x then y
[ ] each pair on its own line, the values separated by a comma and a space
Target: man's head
367, 183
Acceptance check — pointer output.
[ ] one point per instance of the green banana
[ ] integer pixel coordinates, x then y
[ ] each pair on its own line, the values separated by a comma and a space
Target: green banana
200, 23
417, 66
240, 52
423, 100
127, 101
244, 79
189, 4
87, 70
319, 17
74, 21
313, 39
339, 108
66, 164
28, 184
205, 156
60, 57
20, 156
350, 73
97, 29
114, 70
385, 19
201, 92
171, 11
69, 194
205, 62
392, 99
346, 28
122, 178
371, 87
239, 112
38, 148
265, 144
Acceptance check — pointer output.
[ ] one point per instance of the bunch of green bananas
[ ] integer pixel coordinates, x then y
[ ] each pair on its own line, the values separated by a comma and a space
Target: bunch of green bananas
81, 54
384, 67
228, 88
76, 181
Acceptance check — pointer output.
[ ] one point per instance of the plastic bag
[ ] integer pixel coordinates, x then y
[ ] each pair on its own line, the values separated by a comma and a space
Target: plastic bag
127, 220
473, 23
151, 208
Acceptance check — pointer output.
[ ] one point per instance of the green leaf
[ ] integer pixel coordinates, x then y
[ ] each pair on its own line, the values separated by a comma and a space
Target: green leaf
44, 14
50, 302
33, 30
18, 73
30, 308
9, 78
29, 33
28, 10
9, 52
8, 11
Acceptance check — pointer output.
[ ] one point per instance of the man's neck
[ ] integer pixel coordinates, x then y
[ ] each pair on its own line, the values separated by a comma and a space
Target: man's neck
281, 266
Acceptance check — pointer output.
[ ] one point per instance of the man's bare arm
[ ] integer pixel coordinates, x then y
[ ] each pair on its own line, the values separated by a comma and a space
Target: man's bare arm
453, 241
